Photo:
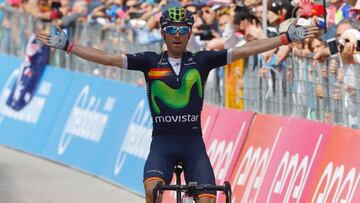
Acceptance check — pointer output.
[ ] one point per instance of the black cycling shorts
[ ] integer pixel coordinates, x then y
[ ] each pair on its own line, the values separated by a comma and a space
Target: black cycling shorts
167, 150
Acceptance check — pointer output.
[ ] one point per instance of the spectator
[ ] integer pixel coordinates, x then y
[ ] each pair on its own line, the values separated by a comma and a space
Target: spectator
147, 9
219, 42
340, 28
356, 10
283, 9
99, 15
346, 73
195, 43
319, 71
115, 10
207, 29
132, 9
337, 11
306, 9
48, 11
78, 10
232, 34
348, 46
348, 41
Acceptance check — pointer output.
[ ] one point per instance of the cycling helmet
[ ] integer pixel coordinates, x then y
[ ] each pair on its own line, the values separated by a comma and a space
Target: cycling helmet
176, 15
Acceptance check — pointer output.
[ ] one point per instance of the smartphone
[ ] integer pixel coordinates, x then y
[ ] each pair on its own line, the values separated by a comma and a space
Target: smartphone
332, 44
206, 33
358, 45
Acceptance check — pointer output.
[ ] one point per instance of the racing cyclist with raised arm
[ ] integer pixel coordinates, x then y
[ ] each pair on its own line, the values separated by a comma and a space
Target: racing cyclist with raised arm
175, 82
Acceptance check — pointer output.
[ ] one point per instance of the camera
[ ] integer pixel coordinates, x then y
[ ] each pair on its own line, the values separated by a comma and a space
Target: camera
341, 46
206, 33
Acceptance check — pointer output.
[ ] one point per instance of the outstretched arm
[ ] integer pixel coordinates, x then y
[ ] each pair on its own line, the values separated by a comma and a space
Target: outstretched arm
98, 56
59, 40
262, 45
255, 47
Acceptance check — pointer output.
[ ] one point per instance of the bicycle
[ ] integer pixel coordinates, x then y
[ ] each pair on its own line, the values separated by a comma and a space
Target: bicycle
190, 188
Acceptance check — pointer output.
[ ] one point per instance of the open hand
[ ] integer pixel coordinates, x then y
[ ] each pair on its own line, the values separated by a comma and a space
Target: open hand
305, 7
56, 39
299, 33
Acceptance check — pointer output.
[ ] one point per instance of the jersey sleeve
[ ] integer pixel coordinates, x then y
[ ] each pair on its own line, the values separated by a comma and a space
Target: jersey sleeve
137, 61
214, 59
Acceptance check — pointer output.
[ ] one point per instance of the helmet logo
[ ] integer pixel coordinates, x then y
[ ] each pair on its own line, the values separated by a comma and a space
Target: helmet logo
177, 14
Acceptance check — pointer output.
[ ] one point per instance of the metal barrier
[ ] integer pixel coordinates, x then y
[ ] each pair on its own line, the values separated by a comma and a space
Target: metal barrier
308, 90
298, 87
16, 28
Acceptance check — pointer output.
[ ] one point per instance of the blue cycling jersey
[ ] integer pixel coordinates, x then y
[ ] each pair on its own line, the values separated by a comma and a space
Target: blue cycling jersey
175, 103
176, 100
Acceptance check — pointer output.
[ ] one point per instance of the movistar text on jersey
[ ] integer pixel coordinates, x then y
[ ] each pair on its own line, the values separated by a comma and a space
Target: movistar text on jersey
177, 118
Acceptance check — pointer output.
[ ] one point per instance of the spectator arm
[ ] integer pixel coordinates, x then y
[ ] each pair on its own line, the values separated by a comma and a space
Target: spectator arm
282, 54
98, 12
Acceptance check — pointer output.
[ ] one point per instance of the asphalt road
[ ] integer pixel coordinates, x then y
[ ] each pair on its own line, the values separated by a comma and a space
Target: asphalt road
25, 178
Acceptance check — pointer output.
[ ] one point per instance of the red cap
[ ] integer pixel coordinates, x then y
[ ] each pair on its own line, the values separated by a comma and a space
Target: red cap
356, 7
312, 10
317, 10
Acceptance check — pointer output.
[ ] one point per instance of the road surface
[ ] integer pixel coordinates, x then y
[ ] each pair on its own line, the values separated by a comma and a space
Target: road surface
25, 178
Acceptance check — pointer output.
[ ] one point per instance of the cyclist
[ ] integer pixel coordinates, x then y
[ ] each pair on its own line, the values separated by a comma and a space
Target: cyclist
175, 88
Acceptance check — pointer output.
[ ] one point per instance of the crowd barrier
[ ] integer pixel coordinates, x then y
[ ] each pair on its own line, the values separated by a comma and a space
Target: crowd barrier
267, 158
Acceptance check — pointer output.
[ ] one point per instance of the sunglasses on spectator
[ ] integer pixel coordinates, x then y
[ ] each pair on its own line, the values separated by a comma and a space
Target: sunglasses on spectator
183, 30
131, 6
207, 11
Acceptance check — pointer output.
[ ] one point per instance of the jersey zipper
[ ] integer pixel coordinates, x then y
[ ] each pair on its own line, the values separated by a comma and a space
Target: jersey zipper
172, 69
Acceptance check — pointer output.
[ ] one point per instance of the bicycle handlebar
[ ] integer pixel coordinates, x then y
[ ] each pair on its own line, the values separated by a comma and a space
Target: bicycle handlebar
226, 188
190, 187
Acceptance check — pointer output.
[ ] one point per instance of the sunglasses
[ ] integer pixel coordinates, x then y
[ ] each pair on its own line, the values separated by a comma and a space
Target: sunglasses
183, 30
131, 6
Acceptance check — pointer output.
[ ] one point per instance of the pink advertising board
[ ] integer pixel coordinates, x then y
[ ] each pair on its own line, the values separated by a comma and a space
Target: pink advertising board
338, 175
226, 140
278, 159
208, 118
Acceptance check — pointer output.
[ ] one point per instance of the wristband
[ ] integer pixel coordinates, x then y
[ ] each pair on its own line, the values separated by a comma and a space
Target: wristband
284, 40
69, 47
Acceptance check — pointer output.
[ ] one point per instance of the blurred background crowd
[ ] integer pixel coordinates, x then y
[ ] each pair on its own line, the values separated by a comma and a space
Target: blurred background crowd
317, 79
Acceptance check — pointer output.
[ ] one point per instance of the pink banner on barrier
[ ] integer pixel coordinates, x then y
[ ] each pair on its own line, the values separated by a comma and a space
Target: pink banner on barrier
338, 175
278, 159
226, 140
208, 118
